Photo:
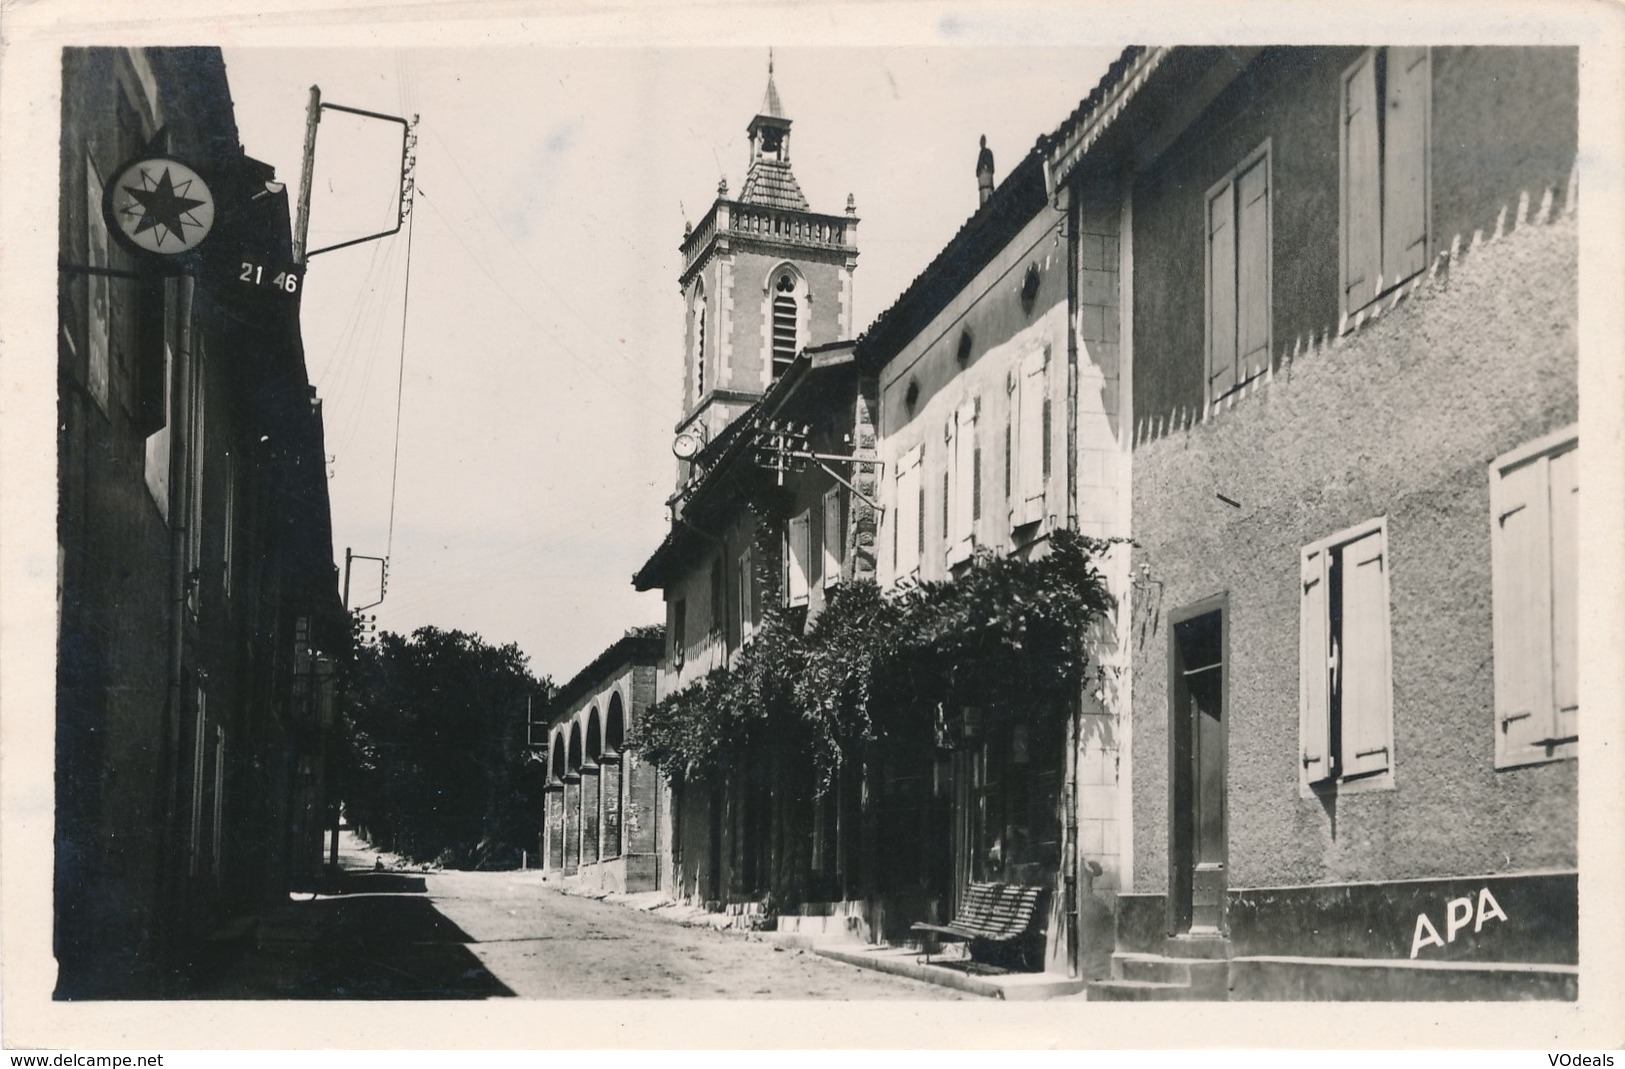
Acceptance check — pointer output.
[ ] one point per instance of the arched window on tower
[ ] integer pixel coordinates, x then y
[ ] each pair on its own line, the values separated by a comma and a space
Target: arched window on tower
786, 322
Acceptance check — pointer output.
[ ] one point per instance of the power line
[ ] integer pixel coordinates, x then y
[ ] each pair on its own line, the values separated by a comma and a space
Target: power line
400, 385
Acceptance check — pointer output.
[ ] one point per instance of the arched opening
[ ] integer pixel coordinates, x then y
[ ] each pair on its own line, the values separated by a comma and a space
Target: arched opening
786, 315
575, 747
595, 745
558, 755
615, 726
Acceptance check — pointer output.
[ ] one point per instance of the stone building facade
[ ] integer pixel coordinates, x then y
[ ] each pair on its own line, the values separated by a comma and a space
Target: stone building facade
197, 588
603, 805
1347, 325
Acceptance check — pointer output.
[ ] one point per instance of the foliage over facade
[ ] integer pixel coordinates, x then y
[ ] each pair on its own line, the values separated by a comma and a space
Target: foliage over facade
435, 747
1007, 636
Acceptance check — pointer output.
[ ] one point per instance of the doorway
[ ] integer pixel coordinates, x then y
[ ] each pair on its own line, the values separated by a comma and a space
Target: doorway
1197, 734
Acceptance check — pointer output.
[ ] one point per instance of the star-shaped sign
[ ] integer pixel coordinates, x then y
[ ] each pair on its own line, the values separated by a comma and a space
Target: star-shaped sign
161, 205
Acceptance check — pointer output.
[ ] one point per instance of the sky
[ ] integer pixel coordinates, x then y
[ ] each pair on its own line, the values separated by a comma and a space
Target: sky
539, 381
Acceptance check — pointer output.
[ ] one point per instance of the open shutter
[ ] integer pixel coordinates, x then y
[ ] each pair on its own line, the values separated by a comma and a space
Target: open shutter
747, 601
1404, 150
1521, 555
1253, 269
1564, 476
1314, 708
800, 557
834, 537
1362, 205
1221, 292
1367, 686
964, 482
1030, 436
908, 513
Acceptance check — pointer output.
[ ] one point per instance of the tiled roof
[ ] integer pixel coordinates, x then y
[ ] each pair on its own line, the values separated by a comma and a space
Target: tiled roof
771, 183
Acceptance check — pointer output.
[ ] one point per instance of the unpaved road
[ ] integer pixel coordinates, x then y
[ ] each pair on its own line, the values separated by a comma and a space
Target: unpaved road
463, 935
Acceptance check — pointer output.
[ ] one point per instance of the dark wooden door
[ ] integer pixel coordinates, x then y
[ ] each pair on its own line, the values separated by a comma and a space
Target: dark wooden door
1197, 879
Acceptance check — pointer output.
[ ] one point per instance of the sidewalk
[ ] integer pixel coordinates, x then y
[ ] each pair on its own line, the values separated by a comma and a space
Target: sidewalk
897, 961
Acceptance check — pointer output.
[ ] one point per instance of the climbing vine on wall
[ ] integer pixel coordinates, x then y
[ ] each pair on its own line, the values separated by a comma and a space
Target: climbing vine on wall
1008, 636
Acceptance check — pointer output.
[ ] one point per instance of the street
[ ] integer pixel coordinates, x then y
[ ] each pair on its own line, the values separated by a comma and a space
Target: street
402, 934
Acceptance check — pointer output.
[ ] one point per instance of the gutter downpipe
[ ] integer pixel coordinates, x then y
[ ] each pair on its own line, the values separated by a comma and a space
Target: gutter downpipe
180, 491
1062, 199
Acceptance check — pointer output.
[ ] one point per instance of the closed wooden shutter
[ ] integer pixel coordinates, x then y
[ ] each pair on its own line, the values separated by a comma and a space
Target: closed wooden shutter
1404, 152
1253, 269
1221, 292
800, 555
1314, 707
1521, 555
1564, 477
747, 602
1364, 657
1362, 193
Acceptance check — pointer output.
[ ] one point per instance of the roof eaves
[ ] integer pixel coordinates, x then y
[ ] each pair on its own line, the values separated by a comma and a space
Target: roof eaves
1104, 104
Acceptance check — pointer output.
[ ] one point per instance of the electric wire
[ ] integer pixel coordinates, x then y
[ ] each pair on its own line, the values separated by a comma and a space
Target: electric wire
400, 385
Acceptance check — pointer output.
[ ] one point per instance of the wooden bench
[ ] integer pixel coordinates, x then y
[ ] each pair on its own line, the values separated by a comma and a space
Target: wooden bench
998, 913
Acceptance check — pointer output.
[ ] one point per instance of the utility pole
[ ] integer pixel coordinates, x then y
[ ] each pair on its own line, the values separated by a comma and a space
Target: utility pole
301, 227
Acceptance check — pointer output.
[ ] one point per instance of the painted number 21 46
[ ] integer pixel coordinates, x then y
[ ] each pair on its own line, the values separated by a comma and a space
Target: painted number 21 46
286, 281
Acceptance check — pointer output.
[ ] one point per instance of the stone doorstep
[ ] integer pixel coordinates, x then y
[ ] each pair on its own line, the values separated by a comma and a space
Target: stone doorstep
901, 961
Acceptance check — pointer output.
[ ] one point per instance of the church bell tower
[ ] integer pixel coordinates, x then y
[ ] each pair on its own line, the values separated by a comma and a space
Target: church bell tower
763, 277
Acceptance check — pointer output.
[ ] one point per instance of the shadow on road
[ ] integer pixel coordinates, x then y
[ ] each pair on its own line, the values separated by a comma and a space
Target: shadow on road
374, 939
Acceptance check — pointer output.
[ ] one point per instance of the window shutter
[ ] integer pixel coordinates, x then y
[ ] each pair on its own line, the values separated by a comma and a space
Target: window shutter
1253, 269
1314, 708
834, 537
1404, 191
1221, 292
1522, 604
1367, 687
800, 557
964, 482
1362, 207
815, 548
1564, 475
747, 605
1030, 438
910, 516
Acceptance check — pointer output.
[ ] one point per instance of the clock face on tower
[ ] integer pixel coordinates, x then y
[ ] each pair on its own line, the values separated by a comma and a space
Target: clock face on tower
687, 445
159, 205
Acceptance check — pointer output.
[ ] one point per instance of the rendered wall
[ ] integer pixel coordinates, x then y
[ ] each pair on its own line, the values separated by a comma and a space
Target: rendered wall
1502, 120
1399, 419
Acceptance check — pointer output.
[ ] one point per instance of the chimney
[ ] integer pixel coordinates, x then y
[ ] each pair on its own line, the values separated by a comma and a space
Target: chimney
984, 173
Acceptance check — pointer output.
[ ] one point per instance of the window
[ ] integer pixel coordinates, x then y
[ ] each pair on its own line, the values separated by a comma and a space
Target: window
1027, 454
1238, 275
747, 603
797, 558
98, 319
908, 529
719, 603
228, 541
1345, 684
1534, 548
194, 487
786, 328
964, 458
1385, 172
834, 536
200, 754
679, 636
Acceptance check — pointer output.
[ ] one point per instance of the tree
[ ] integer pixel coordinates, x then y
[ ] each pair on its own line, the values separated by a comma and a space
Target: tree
435, 746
